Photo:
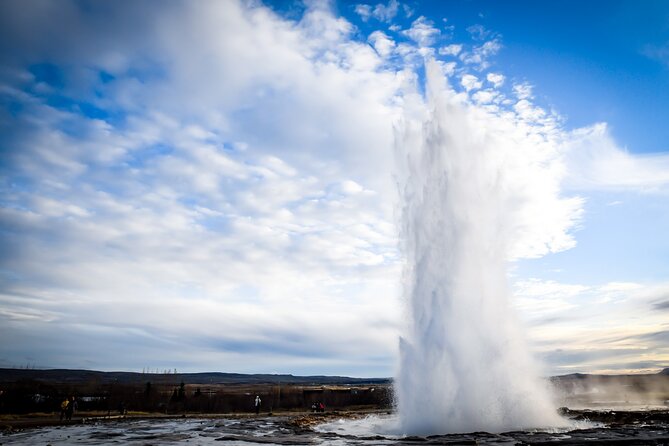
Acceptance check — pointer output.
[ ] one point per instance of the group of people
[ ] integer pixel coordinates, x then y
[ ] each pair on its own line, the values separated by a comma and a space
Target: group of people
67, 408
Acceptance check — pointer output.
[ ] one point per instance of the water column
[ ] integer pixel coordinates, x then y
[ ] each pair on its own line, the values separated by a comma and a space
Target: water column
464, 363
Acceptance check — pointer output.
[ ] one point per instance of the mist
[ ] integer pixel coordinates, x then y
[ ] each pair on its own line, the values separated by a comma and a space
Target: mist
629, 392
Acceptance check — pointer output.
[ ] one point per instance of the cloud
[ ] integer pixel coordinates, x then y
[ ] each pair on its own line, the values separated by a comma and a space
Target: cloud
364, 11
382, 12
495, 79
596, 162
604, 328
478, 32
543, 298
485, 96
383, 44
195, 198
450, 50
523, 91
480, 55
422, 32
661, 305
386, 13
470, 82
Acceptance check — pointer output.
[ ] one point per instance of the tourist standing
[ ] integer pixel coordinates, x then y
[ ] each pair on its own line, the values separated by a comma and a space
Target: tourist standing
63, 408
70, 408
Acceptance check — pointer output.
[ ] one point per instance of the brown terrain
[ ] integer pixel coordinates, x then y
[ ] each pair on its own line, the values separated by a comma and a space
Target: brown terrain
30, 398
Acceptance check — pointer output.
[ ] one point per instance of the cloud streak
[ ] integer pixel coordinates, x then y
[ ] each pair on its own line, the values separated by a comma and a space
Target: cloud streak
606, 328
596, 162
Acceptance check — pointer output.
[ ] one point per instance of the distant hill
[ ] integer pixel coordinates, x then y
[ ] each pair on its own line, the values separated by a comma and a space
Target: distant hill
66, 376
586, 376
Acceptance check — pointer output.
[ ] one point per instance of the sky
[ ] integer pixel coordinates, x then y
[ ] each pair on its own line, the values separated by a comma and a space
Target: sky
211, 186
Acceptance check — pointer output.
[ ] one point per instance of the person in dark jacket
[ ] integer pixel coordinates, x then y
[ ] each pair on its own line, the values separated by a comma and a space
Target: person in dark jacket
70, 409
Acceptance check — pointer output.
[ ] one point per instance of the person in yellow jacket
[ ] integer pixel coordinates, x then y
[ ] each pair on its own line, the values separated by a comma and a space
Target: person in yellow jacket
63, 408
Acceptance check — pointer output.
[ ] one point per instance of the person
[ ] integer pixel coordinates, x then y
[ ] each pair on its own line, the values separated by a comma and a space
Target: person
70, 409
257, 404
63, 408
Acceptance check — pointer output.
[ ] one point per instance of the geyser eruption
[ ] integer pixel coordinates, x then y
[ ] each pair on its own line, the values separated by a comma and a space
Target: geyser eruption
469, 177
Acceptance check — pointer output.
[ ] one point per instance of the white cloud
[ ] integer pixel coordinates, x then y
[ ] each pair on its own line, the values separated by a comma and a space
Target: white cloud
383, 44
411, 55
381, 12
541, 299
523, 91
609, 328
386, 13
448, 68
478, 32
450, 50
484, 96
496, 79
350, 187
364, 11
596, 162
528, 111
470, 82
481, 54
422, 32
196, 206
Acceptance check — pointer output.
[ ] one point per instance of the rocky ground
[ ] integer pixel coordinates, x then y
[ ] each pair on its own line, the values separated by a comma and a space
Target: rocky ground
596, 428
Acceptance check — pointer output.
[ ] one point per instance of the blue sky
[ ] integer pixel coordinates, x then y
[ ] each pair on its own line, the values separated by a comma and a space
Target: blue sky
210, 185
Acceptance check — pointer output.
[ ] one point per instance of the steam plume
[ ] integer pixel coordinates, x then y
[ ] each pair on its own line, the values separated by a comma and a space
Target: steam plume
464, 364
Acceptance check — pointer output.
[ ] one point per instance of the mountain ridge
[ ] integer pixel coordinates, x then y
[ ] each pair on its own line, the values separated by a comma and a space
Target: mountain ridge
73, 376
82, 375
